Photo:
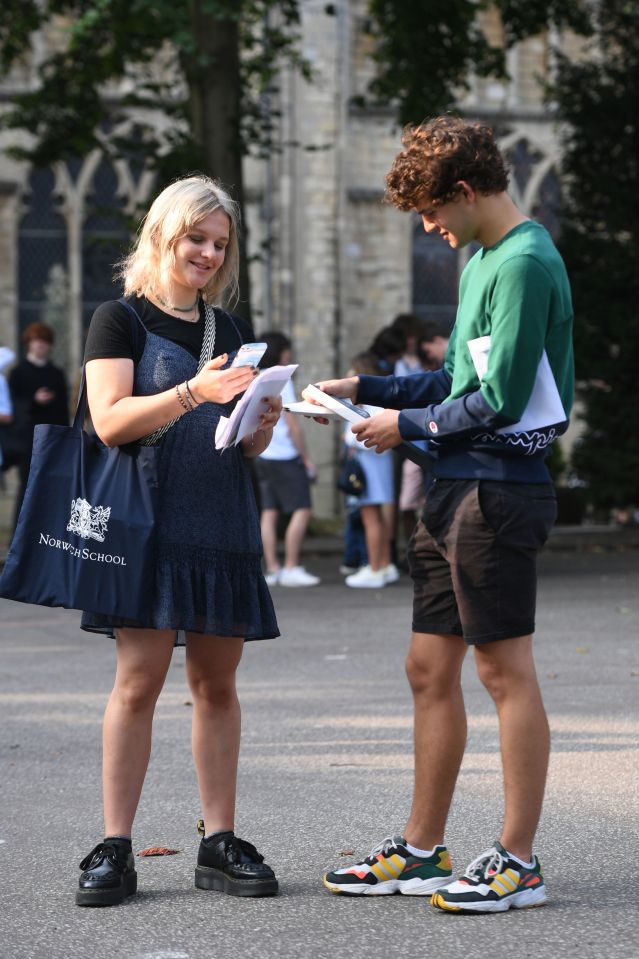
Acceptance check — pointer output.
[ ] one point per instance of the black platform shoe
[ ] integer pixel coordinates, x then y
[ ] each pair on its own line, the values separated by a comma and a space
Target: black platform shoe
108, 875
234, 866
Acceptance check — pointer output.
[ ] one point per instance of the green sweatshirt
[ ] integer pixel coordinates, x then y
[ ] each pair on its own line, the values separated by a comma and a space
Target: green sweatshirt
516, 292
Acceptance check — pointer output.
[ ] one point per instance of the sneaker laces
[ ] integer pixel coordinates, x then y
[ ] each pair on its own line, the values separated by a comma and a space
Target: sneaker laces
489, 863
382, 848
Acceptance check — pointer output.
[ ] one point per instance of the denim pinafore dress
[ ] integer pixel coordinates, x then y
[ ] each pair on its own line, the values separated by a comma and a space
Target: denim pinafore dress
208, 574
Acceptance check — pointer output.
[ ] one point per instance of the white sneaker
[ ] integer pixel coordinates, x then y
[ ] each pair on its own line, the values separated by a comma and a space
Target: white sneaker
297, 576
347, 570
366, 578
273, 577
391, 573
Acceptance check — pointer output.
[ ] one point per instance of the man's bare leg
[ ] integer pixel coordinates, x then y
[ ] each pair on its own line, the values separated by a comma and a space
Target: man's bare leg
433, 667
507, 670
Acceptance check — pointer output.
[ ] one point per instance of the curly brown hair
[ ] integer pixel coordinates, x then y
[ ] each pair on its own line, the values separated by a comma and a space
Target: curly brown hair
438, 154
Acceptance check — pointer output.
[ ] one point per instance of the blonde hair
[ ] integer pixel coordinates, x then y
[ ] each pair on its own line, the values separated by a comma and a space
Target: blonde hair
173, 214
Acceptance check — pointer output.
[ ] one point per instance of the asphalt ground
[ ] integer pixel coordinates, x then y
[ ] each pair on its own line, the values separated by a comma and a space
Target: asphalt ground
325, 769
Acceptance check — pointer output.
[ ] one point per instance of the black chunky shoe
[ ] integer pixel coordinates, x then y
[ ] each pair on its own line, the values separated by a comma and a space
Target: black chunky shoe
108, 875
234, 866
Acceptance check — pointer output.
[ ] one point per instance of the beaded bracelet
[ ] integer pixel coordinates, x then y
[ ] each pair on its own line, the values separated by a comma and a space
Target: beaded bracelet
181, 399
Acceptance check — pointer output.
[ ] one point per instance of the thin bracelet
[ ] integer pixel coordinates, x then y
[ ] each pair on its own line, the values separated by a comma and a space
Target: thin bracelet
260, 430
186, 398
179, 396
189, 395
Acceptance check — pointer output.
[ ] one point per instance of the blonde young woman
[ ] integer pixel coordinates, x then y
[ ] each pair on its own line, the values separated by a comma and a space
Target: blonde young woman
210, 595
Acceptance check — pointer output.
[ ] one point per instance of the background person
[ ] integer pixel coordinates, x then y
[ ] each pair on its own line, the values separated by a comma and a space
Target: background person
388, 347
209, 589
284, 472
431, 351
409, 327
375, 504
432, 344
39, 394
7, 357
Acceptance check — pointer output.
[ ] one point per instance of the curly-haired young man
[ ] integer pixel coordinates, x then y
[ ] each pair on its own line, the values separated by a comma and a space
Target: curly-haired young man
490, 506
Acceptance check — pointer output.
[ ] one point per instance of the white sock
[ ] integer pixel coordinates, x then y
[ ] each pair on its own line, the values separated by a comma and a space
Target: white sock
423, 853
522, 862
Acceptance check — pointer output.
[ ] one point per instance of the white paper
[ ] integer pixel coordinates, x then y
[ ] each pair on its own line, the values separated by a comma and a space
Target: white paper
309, 409
343, 408
245, 418
544, 406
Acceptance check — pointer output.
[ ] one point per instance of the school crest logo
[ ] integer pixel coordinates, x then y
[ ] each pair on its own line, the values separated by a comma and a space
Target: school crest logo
89, 522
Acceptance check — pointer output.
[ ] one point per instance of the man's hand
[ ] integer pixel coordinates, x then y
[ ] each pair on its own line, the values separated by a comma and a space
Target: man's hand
380, 431
345, 389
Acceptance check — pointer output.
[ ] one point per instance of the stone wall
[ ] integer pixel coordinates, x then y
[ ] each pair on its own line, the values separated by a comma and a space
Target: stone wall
332, 263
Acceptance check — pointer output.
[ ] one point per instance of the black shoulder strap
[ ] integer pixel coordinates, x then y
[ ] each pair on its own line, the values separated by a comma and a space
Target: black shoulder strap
229, 316
136, 323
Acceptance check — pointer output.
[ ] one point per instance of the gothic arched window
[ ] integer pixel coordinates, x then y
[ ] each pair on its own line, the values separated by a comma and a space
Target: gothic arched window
42, 257
105, 237
435, 277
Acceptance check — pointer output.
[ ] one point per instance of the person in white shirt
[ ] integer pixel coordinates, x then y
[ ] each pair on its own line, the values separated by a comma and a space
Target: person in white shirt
285, 472
7, 357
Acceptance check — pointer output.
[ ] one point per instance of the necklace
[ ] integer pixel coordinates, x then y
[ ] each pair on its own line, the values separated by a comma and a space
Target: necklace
178, 309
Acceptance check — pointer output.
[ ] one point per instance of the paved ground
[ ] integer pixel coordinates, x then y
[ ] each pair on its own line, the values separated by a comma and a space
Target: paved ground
325, 768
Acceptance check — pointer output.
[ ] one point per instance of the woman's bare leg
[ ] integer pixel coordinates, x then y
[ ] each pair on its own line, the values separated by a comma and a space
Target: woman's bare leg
211, 664
143, 658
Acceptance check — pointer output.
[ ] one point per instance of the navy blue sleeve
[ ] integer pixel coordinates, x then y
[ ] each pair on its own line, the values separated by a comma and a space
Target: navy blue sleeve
454, 420
402, 392
424, 414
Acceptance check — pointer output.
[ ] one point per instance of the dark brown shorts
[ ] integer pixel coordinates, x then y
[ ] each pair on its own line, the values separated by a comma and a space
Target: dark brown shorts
473, 558
284, 484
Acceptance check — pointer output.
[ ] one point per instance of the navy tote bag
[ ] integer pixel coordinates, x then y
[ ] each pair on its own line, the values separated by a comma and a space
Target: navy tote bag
85, 534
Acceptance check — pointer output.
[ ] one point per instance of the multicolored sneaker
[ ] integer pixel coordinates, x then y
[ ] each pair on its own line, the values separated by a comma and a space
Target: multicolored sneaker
392, 868
493, 883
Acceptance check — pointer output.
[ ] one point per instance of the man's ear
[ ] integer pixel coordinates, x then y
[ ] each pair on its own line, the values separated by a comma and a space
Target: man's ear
466, 190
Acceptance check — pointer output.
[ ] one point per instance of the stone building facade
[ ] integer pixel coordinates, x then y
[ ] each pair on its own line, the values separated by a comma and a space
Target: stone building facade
332, 263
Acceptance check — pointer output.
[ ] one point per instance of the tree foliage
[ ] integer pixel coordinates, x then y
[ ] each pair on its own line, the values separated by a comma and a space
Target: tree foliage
197, 69
236, 46
596, 101
428, 50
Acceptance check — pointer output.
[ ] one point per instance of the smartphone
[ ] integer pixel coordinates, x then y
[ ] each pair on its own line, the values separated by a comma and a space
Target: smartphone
249, 354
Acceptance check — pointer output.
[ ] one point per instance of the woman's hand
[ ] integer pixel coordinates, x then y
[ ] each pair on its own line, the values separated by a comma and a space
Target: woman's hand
214, 385
272, 412
256, 443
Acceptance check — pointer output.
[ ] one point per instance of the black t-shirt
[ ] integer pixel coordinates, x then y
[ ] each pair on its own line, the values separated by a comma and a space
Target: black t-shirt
25, 380
113, 335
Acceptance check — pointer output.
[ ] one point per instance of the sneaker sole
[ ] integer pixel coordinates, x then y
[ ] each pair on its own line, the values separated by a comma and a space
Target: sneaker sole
527, 899
213, 879
366, 585
108, 897
298, 585
406, 887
